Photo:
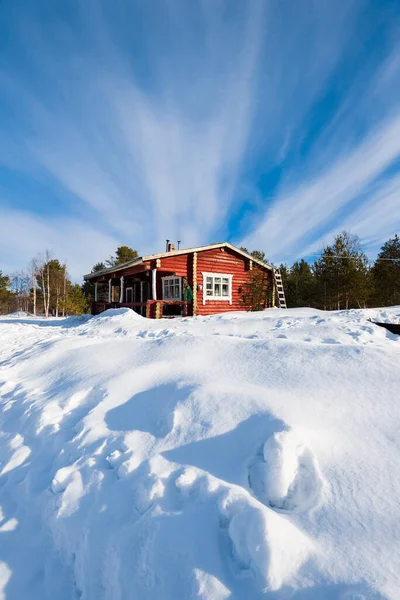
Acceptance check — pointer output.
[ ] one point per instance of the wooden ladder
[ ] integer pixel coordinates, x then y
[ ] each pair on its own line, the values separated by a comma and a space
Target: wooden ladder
281, 303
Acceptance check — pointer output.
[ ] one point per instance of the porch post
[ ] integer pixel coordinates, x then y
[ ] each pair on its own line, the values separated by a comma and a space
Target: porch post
121, 293
195, 284
153, 284
95, 291
109, 291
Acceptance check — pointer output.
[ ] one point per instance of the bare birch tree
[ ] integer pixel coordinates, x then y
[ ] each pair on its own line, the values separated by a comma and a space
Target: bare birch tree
33, 270
42, 263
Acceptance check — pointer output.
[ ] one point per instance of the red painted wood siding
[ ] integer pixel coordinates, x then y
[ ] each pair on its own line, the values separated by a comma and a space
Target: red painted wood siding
174, 264
210, 261
226, 262
181, 265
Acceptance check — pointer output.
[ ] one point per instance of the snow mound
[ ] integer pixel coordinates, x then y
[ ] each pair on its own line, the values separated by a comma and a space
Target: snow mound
244, 456
117, 315
287, 478
119, 321
269, 544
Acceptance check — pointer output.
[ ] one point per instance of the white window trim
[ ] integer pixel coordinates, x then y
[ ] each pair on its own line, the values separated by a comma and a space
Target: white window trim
126, 294
180, 286
219, 298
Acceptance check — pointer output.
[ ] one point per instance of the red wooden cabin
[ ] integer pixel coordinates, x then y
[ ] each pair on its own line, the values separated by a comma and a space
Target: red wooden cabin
196, 281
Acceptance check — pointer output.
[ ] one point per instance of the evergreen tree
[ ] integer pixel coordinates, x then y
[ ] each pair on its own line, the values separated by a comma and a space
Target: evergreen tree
255, 290
341, 274
257, 254
100, 266
5, 294
76, 301
123, 254
385, 275
300, 286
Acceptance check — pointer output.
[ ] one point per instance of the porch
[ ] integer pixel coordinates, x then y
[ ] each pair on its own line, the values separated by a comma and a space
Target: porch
150, 293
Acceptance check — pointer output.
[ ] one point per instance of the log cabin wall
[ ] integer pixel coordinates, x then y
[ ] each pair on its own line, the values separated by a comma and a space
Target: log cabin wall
227, 262
191, 266
181, 265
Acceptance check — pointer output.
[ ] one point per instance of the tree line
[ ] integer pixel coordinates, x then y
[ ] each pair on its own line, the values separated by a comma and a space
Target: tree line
45, 287
340, 278
343, 278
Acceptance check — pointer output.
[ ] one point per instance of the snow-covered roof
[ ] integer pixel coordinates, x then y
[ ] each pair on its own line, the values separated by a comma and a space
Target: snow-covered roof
142, 259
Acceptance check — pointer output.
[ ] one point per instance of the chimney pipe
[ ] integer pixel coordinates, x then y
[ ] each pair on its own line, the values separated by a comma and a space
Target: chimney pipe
167, 246
179, 243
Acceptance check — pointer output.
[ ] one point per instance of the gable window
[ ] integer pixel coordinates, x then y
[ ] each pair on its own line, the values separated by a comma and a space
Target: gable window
172, 288
217, 286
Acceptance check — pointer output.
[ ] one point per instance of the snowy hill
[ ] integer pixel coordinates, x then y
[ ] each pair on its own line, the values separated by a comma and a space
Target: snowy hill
243, 456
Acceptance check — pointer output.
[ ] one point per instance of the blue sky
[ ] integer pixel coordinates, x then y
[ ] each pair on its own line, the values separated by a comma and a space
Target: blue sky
265, 123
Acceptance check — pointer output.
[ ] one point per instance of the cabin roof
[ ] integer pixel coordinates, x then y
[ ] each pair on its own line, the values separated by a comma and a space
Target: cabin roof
142, 259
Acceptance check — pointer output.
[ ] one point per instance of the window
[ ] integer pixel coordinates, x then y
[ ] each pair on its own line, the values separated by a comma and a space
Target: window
217, 286
129, 294
172, 288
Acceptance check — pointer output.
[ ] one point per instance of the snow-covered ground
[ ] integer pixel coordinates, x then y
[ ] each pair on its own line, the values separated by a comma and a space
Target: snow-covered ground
243, 456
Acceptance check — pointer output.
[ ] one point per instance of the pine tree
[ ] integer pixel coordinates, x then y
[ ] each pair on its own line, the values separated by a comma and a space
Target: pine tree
123, 254
5, 294
100, 266
255, 290
341, 274
257, 254
76, 301
385, 275
300, 285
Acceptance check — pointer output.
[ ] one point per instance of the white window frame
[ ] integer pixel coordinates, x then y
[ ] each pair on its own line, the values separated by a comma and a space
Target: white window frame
168, 278
228, 298
128, 289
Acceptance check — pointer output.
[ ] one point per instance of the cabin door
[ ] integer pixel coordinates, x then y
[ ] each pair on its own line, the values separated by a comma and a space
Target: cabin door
136, 291
145, 291
141, 293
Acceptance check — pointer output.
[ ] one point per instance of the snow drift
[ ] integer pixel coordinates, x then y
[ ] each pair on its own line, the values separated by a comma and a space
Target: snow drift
240, 456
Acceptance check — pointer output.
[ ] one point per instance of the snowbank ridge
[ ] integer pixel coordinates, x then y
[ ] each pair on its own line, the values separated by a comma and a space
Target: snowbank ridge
235, 456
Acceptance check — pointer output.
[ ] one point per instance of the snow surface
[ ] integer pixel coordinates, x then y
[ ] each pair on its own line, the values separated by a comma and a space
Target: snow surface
241, 456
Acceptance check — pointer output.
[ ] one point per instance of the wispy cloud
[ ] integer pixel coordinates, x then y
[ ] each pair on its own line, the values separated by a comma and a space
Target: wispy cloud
24, 236
147, 163
137, 125
300, 213
348, 179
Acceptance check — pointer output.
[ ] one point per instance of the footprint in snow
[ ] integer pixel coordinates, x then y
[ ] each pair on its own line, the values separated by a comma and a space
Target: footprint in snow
285, 475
